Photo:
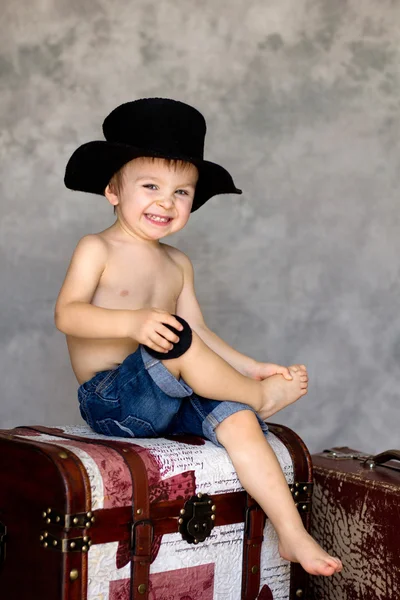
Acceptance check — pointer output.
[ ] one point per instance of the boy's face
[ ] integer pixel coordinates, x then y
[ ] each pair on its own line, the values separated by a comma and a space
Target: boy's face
156, 197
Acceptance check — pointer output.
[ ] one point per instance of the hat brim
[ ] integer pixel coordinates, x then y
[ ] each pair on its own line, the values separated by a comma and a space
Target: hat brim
92, 165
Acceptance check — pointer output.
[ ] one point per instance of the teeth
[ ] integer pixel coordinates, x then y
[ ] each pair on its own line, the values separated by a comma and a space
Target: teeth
161, 219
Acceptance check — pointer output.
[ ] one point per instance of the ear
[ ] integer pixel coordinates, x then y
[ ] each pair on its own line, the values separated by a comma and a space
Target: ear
111, 196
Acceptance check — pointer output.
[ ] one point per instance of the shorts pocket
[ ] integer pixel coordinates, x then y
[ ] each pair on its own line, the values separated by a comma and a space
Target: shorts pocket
129, 427
107, 388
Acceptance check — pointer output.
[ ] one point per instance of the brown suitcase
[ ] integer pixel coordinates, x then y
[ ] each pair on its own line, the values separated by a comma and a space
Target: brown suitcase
87, 517
356, 516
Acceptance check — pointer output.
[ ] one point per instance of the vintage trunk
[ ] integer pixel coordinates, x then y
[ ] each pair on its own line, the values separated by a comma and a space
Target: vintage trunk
88, 517
356, 516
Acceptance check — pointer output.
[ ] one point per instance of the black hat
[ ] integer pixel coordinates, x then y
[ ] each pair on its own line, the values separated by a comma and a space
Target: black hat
156, 127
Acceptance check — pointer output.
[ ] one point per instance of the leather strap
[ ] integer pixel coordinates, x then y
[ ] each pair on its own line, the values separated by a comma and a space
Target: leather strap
142, 527
252, 543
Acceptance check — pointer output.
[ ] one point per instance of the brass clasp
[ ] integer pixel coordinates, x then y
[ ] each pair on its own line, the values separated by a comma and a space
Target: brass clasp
197, 518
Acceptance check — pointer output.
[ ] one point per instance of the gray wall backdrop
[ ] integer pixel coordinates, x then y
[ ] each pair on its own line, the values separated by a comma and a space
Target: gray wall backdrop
302, 103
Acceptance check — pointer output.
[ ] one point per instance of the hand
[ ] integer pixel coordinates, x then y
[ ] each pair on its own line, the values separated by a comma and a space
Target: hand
261, 371
148, 328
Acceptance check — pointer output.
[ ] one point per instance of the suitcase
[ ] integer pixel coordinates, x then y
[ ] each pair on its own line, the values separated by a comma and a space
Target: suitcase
90, 517
356, 516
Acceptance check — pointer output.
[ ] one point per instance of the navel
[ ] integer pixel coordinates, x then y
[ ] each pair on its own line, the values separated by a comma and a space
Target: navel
124, 293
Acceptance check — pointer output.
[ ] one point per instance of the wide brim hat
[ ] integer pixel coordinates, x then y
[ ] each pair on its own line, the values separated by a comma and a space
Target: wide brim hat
149, 127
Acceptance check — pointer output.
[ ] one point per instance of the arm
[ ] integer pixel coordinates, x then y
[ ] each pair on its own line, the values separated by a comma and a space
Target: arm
74, 315
188, 308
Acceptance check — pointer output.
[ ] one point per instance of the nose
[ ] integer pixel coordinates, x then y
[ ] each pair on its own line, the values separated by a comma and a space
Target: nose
166, 200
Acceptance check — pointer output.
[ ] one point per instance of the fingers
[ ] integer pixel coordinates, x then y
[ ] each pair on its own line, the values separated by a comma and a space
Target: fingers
159, 343
300, 370
159, 337
163, 337
167, 334
285, 372
168, 319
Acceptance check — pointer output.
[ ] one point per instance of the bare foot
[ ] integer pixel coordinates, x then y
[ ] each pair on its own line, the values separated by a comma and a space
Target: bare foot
300, 547
277, 392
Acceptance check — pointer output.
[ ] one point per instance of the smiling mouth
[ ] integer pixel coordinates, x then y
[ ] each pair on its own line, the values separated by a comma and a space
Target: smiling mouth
157, 218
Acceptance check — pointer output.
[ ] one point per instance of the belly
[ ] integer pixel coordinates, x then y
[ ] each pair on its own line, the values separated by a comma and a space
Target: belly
89, 356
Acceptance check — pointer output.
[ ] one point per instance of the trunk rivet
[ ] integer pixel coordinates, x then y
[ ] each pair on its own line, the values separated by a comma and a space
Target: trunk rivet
74, 574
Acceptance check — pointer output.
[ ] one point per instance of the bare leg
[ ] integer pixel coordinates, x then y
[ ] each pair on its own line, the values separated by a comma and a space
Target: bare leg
211, 376
261, 475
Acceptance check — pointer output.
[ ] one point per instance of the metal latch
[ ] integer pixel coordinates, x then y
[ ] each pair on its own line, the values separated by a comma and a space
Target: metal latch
3, 536
52, 542
80, 520
197, 518
302, 495
337, 454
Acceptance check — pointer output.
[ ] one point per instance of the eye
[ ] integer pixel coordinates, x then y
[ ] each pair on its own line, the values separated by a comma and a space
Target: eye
150, 186
182, 192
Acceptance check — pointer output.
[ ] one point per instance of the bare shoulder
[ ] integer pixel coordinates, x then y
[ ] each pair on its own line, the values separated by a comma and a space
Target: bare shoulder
94, 243
92, 249
179, 257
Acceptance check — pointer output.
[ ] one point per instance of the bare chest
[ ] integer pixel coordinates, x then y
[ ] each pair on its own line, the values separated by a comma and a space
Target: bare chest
138, 280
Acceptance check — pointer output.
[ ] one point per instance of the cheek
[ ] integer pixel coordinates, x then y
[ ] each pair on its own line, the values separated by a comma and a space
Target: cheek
185, 208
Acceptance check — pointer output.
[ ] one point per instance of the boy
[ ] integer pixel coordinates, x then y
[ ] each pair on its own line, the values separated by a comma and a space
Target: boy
146, 363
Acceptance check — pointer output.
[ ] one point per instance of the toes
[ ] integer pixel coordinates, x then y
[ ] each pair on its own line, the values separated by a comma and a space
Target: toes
339, 564
328, 570
335, 563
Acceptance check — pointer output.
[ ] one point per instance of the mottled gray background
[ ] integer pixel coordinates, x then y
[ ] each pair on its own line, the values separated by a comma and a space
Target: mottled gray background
302, 103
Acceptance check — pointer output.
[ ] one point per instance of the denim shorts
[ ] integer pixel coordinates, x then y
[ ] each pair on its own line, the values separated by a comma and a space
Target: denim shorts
141, 398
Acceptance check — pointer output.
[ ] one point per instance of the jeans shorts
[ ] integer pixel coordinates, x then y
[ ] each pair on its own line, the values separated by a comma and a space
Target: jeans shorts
141, 398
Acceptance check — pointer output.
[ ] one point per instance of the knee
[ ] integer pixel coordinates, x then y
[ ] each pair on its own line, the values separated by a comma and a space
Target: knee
237, 427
